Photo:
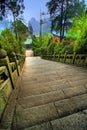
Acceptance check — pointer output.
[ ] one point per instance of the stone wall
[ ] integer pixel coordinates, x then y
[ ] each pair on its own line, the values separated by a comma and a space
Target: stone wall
78, 59
10, 68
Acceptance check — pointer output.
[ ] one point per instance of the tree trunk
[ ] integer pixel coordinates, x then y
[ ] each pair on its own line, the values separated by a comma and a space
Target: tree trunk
61, 22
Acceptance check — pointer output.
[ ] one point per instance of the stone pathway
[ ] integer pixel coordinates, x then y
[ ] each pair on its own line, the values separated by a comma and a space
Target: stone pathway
49, 96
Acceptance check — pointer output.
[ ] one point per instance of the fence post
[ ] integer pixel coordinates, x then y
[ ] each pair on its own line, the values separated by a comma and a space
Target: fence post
13, 58
74, 56
4, 61
65, 55
59, 57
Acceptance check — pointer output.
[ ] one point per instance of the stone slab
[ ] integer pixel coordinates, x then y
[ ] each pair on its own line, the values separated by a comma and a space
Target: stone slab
80, 102
64, 107
73, 91
31, 116
41, 99
61, 85
44, 126
73, 122
78, 82
24, 92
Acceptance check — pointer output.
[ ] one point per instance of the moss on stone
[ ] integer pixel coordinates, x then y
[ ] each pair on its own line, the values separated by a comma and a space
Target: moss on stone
3, 53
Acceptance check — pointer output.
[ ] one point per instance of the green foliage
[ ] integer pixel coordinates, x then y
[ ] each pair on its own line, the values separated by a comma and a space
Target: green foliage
63, 10
13, 6
78, 25
35, 42
41, 47
36, 45
79, 30
81, 43
58, 48
68, 48
51, 48
37, 52
21, 47
8, 41
46, 39
21, 30
44, 50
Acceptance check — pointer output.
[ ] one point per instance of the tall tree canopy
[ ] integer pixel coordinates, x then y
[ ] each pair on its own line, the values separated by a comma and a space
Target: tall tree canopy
62, 11
14, 6
21, 29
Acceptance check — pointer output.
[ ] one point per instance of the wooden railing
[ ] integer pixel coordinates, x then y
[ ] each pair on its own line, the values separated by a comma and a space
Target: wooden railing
78, 59
10, 68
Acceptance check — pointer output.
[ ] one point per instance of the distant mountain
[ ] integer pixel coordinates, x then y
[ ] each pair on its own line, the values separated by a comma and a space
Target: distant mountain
36, 26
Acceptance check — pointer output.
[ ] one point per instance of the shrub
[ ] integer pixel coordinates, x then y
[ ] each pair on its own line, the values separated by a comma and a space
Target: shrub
68, 48
81, 43
8, 41
37, 51
58, 48
44, 50
79, 33
51, 48
35, 42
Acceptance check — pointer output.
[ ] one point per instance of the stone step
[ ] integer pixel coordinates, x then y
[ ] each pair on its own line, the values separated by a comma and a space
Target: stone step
35, 100
61, 108
51, 96
31, 116
42, 88
78, 82
26, 116
76, 121
71, 105
43, 84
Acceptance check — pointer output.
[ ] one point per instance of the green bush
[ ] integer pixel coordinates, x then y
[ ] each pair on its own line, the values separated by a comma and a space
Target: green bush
79, 33
81, 43
58, 48
35, 42
21, 47
37, 51
46, 40
44, 50
68, 48
51, 48
8, 41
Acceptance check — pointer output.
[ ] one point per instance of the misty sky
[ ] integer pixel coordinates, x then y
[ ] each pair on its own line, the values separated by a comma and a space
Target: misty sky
33, 7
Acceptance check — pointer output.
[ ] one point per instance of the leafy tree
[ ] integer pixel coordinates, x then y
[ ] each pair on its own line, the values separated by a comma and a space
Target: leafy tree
8, 41
62, 11
77, 26
21, 30
79, 33
14, 6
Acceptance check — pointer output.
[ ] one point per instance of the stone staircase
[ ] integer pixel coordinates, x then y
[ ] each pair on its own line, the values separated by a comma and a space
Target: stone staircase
49, 96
